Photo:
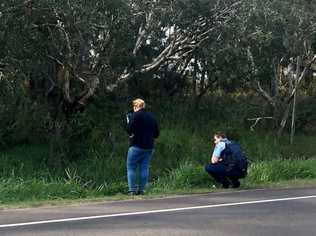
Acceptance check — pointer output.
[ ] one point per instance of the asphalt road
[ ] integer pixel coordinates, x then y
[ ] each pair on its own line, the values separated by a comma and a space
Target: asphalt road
253, 212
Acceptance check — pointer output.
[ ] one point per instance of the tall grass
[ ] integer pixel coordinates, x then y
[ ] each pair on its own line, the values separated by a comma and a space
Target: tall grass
190, 176
97, 167
280, 169
187, 176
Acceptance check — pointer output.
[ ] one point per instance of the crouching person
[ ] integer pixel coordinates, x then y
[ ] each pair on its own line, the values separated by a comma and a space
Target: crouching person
228, 162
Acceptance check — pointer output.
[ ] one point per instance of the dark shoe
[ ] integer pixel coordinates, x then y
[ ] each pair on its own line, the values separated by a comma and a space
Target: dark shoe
225, 185
236, 184
140, 192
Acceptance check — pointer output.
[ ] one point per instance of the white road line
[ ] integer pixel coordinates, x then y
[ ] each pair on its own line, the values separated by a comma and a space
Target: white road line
154, 211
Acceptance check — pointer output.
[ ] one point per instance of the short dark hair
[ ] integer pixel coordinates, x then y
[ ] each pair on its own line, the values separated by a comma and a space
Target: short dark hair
220, 134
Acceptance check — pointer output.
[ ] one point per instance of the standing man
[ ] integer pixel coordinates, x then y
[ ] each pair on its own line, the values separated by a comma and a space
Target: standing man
218, 168
143, 130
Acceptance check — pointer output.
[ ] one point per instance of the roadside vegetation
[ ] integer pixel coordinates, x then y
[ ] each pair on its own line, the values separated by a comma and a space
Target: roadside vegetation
69, 70
42, 172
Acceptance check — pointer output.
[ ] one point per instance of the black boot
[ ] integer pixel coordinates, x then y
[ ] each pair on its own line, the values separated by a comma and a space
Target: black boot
235, 183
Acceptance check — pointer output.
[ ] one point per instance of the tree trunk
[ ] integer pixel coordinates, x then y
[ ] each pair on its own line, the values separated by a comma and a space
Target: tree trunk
284, 119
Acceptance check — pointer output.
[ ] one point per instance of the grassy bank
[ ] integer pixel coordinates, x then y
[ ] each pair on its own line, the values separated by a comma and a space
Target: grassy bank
90, 162
188, 176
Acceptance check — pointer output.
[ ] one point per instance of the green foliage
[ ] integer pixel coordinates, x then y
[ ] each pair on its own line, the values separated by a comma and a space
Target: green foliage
306, 116
21, 120
96, 164
46, 143
19, 190
280, 169
27, 161
187, 175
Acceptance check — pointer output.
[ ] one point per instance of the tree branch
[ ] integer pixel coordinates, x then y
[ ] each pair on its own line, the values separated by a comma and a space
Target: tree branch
143, 33
257, 119
302, 76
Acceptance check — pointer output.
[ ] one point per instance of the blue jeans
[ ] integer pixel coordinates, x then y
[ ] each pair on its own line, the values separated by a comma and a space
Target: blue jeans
138, 157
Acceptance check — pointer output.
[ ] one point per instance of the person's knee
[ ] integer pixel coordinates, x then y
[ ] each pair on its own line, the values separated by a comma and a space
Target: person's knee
144, 172
130, 165
208, 168
211, 168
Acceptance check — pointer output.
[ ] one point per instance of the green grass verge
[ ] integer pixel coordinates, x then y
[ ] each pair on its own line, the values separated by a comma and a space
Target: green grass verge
187, 178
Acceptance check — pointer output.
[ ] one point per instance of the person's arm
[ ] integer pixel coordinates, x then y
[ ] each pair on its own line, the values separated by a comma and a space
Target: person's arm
217, 152
128, 117
215, 159
130, 124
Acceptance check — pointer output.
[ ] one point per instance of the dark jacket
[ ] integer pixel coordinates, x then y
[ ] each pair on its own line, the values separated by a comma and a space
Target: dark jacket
144, 129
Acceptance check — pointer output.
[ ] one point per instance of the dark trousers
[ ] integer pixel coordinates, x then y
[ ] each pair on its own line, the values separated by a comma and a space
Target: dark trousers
219, 172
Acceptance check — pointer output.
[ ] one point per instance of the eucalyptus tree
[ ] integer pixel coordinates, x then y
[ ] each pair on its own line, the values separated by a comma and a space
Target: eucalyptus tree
220, 63
216, 63
66, 49
48, 45
170, 32
277, 38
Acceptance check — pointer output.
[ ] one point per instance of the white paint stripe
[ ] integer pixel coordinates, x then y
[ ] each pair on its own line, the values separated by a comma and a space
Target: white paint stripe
154, 211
